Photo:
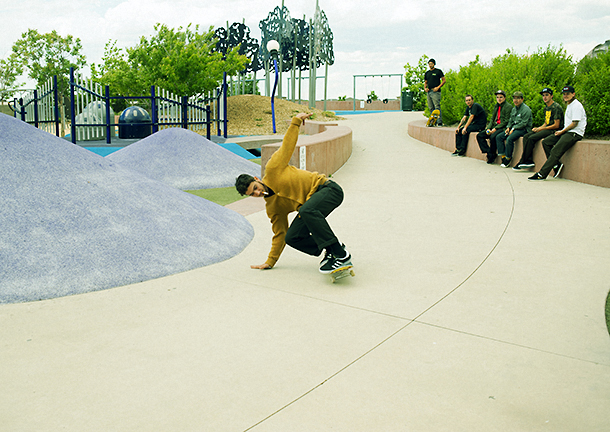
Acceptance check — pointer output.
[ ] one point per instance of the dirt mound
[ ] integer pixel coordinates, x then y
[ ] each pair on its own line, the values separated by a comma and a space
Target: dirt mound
251, 115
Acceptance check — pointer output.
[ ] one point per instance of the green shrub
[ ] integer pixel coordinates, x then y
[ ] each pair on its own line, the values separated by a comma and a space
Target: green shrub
529, 73
414, 82
592, 84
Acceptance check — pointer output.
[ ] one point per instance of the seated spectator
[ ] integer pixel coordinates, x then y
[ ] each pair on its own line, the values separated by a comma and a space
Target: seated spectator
497, 123
519, 124
555, 146
475, 118
553, 121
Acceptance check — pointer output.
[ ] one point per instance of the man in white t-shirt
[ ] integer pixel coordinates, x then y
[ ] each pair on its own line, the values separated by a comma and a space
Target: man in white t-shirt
575, 122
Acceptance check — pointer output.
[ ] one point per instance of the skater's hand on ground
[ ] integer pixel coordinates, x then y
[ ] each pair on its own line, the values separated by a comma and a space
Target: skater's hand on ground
261, 266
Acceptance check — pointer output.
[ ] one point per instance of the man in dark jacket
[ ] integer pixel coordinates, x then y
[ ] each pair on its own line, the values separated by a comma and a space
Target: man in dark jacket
474, 120
519, 124
497, 123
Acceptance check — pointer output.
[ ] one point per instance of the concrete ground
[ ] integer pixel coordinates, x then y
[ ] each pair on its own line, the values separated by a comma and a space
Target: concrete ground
478, 305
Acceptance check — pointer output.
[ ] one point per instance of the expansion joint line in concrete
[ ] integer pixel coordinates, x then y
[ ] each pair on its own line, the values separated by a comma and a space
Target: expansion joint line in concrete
510, 217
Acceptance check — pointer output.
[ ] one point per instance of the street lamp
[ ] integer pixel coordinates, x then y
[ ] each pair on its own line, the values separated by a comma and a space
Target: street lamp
273, 47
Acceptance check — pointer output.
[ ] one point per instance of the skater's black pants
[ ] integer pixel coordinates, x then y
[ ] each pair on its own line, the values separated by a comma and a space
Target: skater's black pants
309, 231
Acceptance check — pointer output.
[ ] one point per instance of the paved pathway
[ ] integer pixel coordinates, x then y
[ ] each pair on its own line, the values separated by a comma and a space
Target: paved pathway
477, 306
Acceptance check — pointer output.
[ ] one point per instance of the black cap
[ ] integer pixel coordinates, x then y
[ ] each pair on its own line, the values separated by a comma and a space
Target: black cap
500, 92
568, 89
547, 90
432, 60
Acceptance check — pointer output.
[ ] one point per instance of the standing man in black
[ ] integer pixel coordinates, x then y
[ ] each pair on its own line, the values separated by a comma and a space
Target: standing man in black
497, 123
475, 118
434, 79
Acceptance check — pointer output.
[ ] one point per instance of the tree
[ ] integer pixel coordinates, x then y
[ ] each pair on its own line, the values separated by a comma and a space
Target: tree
45, 55
10, 70
414, 82
593, 90
184, 61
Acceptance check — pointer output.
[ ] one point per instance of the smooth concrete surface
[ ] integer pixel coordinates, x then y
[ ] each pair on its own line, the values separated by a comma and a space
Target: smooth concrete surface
588, 161
478, 305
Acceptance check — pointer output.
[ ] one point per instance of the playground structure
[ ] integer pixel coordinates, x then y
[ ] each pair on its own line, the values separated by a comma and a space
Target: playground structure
384, 95
94, 119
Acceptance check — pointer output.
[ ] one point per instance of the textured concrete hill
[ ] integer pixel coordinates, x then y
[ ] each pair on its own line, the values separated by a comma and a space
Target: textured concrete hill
74, 222
184, 160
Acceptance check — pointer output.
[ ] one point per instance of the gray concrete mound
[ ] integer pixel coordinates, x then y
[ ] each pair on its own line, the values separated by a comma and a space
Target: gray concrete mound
73, 222
184, 160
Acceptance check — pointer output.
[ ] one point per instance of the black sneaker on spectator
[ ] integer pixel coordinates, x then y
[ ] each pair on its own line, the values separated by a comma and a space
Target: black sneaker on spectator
536, 176
455, 153
527, 164
505, 162
491, 158
557, 168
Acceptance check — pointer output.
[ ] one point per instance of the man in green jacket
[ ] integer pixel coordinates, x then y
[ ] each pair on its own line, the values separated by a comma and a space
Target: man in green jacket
553, 121
497, 123
286, 189
519, 124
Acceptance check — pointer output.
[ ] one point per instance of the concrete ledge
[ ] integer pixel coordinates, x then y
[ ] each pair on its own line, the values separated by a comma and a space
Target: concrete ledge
325, 151
587, 162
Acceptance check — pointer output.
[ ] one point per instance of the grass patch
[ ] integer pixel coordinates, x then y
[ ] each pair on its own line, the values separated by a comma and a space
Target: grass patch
220, 196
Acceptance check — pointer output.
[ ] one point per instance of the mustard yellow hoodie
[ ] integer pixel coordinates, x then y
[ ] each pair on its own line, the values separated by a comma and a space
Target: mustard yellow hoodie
292, 187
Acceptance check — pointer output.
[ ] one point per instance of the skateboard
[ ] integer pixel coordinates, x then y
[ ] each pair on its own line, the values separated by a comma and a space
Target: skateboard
342, 272
433, 118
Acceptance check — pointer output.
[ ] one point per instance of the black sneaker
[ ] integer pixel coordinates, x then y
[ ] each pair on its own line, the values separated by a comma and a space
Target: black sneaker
336, 263
327, 257
491, 158
536, 176
518, 167
527, 165
505, 162
455, 153
557, 168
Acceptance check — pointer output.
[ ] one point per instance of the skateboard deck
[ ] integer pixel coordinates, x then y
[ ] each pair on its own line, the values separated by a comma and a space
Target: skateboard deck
342, 272
433, 118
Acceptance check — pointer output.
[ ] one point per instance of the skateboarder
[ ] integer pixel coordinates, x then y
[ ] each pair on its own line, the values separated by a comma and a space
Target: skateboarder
434, 79
285, 189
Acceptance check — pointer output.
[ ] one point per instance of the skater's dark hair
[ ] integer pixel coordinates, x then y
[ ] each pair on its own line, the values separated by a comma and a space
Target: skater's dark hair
242, 182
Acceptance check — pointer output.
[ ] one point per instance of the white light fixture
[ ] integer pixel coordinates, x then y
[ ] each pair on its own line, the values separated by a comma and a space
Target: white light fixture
273, 45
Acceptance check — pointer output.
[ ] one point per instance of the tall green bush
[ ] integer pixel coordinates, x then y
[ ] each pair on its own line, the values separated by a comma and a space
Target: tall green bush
593, 90
414, 83
529, 73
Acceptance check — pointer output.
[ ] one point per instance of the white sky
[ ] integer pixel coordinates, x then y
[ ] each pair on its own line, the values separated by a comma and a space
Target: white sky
370, 36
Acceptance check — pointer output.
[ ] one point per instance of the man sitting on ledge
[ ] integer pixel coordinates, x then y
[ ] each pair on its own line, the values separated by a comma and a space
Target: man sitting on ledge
556, 145
553, 121
497, 123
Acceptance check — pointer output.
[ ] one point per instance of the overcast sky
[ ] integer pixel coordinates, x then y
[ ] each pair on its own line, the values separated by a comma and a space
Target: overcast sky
370, 36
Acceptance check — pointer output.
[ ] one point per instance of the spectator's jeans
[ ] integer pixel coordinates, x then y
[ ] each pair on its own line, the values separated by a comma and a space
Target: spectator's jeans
461, 140
434, 102
529, 141
506, 143
555, 146
482, 138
